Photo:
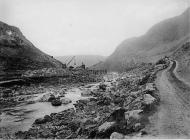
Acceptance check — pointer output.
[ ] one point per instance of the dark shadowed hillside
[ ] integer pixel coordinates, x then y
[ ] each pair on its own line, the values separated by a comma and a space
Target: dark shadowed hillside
18, 54
88, 60
162, 39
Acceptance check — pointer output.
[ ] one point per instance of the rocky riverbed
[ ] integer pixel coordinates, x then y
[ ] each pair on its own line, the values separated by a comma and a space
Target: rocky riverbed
117, 107
34, 102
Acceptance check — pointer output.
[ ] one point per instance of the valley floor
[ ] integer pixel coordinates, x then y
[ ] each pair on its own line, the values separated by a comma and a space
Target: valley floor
172, 119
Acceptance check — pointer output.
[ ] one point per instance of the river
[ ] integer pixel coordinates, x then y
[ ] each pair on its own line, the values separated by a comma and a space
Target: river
21, 117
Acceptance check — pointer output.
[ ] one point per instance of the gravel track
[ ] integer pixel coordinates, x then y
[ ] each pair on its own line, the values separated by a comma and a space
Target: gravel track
172, 119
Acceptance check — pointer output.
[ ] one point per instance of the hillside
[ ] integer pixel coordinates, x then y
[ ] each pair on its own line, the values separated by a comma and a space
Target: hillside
162, 39
182, 56
88, 60
17, 54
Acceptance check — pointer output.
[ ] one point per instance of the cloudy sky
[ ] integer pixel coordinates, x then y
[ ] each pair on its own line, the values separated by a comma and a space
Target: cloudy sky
69, 27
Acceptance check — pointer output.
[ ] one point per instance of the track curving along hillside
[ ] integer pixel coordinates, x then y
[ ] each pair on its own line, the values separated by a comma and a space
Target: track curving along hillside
172, 119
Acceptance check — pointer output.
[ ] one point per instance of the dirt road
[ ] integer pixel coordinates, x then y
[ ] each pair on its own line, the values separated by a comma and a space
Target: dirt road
172, 119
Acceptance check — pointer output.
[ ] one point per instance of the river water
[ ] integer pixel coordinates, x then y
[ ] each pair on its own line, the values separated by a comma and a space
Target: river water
20, 118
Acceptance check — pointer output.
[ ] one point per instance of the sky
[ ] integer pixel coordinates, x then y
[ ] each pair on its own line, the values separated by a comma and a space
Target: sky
93, 27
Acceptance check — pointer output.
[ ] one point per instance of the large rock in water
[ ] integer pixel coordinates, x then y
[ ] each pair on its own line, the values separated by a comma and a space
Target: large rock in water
18, 54
56, 102
65, 101
51, 98
86, 93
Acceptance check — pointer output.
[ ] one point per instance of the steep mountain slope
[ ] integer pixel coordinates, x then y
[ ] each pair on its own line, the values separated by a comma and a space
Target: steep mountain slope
162, 39
19, 54
182, 56
88, 60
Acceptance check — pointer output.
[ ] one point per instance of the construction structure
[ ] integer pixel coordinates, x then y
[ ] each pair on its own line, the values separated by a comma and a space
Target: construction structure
66, 64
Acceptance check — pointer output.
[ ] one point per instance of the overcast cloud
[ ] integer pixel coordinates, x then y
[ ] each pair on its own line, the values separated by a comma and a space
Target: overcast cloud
68, 27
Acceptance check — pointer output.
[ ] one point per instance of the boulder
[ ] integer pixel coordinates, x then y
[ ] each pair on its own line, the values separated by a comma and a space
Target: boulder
134, 114
106, 129
47, 118
148, 99
65, 101
40, 121
21, 99
118, 115
102, 87
149, 102
137, 127
150, 87
86, 93
45, 97
116, 135
105, 126
56, 102
30, 102
62, 93
118, 100
135, 94
88, 86
63, 134
51, 98
104, 101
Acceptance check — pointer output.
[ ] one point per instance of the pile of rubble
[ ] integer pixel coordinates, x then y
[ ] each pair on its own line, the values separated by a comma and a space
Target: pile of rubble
115, 109
47, 72
60, 76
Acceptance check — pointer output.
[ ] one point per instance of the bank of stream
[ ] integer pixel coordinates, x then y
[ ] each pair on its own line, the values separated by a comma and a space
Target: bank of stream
21, 117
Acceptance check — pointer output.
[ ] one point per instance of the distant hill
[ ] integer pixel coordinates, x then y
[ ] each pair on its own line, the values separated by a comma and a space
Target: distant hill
18, 54
162, 39
88, 60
